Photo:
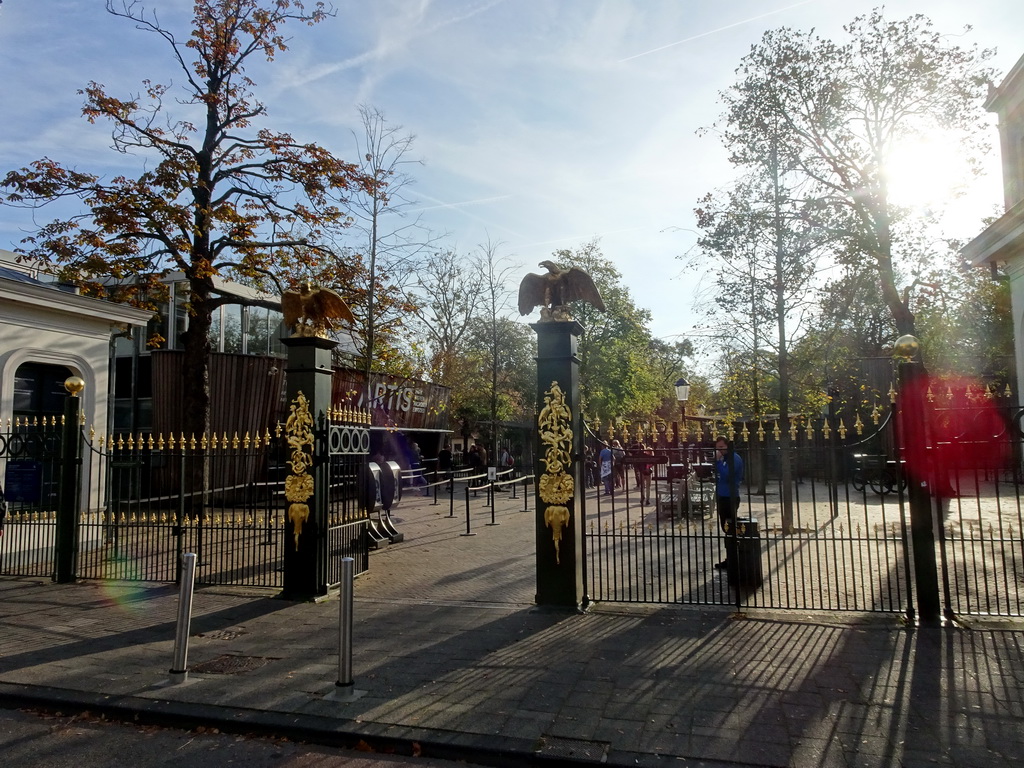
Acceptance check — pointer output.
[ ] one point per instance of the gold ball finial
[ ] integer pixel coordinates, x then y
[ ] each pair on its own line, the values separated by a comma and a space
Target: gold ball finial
906, 347
74, 385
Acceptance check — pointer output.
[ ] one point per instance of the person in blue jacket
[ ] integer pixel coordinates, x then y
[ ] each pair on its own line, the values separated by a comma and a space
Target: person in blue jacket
728, 478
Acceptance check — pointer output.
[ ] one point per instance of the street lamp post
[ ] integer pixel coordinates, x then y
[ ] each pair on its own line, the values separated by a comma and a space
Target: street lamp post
682, 395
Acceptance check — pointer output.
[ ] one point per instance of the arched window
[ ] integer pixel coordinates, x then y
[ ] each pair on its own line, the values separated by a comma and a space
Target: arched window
39, 390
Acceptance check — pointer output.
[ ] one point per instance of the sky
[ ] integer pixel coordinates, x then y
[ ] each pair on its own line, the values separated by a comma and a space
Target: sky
540, 124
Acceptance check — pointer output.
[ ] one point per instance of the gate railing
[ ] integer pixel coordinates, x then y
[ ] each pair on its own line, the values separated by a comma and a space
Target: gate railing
848, 546
151, 499
347, 448
30, 463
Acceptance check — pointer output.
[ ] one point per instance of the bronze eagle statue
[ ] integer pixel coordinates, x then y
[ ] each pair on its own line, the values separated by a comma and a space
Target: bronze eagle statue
551, 292
311, 311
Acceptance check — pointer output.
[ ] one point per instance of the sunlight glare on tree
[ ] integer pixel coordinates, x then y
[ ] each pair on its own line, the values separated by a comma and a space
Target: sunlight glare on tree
931, 174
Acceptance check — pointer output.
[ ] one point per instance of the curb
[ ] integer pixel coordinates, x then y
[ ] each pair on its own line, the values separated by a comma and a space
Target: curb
501, 751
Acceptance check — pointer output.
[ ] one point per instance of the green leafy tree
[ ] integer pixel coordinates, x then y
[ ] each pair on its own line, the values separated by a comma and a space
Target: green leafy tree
449, 294
765, 263
214, 190
838, 111
618, 371
966, 322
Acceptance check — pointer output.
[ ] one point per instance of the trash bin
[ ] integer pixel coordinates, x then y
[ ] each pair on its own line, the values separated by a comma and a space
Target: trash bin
743, 553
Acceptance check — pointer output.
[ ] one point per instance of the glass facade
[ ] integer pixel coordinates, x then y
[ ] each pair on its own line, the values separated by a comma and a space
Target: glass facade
235, 329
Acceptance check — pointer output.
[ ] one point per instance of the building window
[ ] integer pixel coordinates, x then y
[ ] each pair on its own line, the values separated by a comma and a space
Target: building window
39, 390
232, 314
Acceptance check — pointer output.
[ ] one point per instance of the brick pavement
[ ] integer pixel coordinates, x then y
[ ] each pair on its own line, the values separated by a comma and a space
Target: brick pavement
452, 656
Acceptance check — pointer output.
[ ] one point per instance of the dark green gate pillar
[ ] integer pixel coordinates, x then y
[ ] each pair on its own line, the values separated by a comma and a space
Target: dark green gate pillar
306, 485
70, 485
914, 439
558, 444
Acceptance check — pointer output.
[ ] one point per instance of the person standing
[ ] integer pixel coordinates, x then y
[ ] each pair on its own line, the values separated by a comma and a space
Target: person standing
444, 464
604, 460
645, 473
728, 478
590, 467
618, 467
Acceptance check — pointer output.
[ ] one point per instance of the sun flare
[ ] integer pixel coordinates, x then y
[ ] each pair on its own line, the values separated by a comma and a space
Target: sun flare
931, 175
926, 172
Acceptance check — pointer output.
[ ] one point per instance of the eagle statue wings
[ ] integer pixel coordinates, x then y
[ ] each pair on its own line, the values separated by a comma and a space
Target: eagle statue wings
311, 311
551, 292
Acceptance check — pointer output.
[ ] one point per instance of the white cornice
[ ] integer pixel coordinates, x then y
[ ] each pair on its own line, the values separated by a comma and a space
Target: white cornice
1002, 240
50, 299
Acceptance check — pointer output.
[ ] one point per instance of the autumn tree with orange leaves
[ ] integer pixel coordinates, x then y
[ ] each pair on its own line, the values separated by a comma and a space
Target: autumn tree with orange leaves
216, 192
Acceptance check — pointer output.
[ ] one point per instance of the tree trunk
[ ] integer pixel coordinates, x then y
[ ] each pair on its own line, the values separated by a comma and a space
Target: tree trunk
785, 466
195, 391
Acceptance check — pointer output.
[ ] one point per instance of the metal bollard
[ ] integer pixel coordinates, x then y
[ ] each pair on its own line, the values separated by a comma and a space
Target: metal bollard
469, 531
179, 669
348, 568
344, 690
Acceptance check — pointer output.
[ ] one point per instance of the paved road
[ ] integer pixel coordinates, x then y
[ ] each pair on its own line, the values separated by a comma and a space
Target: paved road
44, 740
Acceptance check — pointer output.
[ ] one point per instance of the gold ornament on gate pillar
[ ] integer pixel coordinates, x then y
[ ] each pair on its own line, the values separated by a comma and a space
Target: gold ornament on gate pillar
298, 486
556, 486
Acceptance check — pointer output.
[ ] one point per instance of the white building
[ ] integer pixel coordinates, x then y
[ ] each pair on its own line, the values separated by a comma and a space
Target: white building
48, 334
1002, 242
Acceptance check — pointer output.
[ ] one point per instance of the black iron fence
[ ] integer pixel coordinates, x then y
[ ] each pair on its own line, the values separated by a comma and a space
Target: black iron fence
142, 501
146, 501
348, 506
30, 463
823, 523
